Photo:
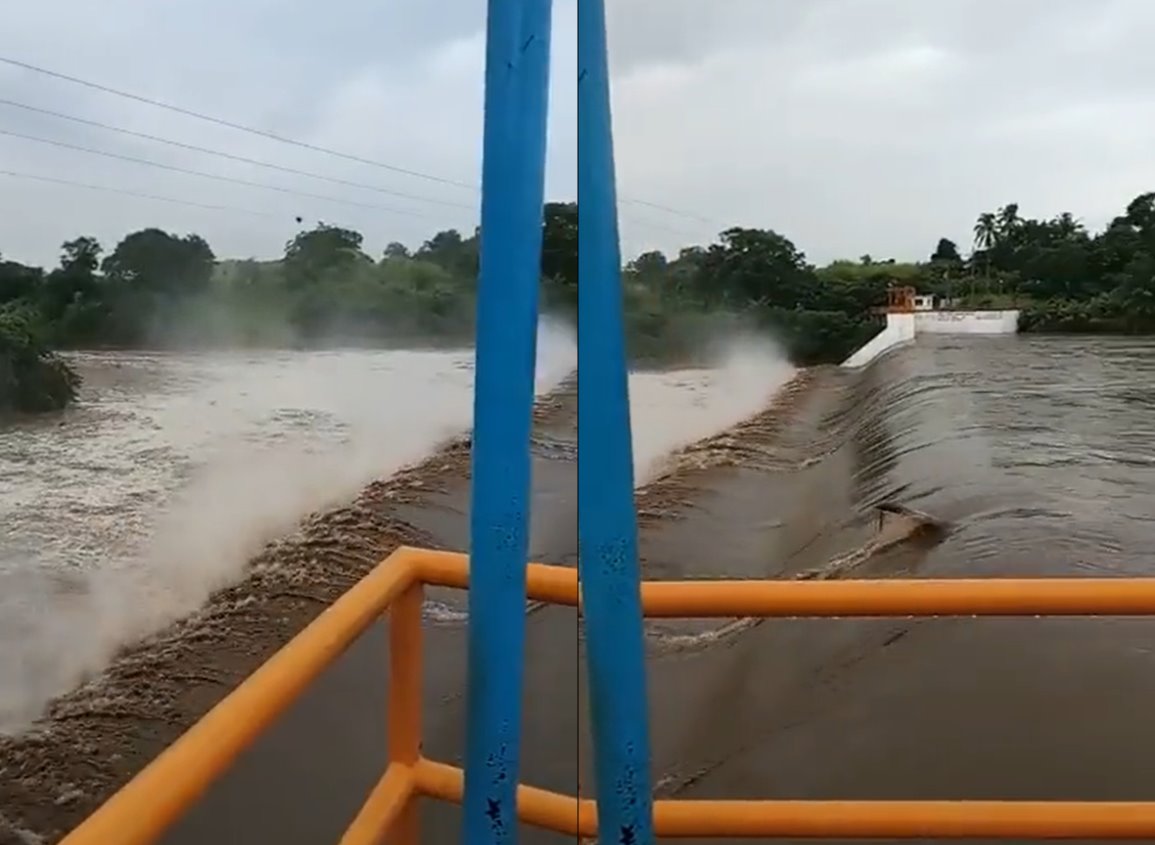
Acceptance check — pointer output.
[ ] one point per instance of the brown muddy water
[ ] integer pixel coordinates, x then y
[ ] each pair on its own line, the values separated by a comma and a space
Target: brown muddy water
177, 477
1038, 453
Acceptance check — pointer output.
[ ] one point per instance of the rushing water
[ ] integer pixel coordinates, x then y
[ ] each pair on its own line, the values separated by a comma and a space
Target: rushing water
171, 471
1039, 453
128, 510
670, 410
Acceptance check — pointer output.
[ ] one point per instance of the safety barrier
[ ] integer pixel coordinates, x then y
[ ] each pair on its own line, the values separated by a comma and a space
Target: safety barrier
147, 806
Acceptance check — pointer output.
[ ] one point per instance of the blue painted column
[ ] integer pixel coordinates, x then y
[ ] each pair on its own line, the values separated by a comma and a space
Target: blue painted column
516, 103
607, 522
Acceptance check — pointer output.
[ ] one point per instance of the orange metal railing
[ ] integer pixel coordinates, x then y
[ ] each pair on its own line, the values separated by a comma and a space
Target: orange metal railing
141, 812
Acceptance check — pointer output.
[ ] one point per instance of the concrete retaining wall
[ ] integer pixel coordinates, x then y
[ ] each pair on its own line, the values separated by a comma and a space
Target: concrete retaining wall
966, 322
899, 330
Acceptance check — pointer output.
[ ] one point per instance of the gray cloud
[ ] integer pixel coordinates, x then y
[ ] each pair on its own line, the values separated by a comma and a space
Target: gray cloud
397, 82
878, 126
850, 125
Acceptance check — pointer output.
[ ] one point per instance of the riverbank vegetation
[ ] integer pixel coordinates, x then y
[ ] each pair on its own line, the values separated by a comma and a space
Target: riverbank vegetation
158, 289
155, 288
32, 378
1062, 277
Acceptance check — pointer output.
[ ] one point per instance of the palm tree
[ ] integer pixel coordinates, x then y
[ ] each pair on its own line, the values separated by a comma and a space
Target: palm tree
1067, 227
1009, 220
987, 233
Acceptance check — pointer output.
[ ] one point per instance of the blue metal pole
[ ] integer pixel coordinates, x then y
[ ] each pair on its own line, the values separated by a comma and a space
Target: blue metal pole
516, 104
607, 522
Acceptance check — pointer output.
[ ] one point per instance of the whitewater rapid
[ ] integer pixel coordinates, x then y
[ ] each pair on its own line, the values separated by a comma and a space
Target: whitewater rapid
174, 470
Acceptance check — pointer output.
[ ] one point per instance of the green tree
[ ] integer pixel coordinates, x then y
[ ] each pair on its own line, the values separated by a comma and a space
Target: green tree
1141, 213
946, 252
311, 254
72, 302
559, 253
32, 378
449, 250
395, 250
756, 266
19, 282
81, 254
1009, 222
155, 262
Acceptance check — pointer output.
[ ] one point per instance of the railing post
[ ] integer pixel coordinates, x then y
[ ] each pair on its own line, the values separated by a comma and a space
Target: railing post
405, 700
607, 522
513, 176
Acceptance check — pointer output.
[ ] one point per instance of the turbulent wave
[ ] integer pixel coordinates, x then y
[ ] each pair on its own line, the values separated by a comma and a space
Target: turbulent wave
821, 459
670, 410
1025, 448
174, 471
1021, 445
821, 448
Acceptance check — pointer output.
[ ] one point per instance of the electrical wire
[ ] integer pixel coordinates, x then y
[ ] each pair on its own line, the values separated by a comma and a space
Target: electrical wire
71, 183
666, 208
215, 176
627, 218
291, 141
96, 86
231, 156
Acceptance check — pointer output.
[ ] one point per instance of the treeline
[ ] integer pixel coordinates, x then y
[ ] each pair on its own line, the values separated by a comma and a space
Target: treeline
159, 289
1068, 279
1062, 277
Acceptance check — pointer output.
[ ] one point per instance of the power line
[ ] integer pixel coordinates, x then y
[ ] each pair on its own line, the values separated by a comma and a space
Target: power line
628, 219
70, 183
231, 156
292, 141
668, 209
641, 221
216, 176
626, 247
229, 124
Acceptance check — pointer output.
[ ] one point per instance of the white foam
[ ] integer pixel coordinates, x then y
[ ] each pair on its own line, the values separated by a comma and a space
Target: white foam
191, 483
671, 410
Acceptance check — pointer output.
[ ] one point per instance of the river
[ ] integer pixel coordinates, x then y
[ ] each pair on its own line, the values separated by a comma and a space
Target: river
1039, 454
174, 470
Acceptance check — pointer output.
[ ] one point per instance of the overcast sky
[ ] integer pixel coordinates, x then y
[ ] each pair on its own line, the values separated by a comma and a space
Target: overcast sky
851, 126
